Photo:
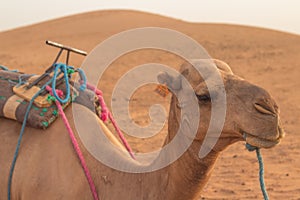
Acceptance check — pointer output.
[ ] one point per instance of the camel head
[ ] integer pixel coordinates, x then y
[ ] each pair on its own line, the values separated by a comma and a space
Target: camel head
251, 113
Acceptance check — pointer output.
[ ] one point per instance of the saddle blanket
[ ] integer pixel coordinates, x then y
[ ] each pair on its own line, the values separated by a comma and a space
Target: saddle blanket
13, 106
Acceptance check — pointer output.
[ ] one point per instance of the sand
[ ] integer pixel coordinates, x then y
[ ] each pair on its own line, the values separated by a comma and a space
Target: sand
265, 57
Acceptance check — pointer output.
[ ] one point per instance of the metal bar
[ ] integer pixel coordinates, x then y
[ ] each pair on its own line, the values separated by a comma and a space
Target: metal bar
47, 72
50, 69
66, 48
55, 61
36, 81
68, 56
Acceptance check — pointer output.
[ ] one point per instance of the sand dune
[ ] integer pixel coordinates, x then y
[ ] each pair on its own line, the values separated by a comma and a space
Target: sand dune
265, 57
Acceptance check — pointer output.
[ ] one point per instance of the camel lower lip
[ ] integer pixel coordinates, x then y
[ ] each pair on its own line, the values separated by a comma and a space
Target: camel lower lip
260, 142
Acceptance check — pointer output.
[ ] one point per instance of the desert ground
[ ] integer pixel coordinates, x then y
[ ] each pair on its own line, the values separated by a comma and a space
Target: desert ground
265, 57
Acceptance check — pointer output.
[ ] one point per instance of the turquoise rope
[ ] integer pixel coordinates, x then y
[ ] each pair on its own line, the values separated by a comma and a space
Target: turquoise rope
64, 69
21, 82
20, 138
83, 78
6, 69
261, 174
261, 170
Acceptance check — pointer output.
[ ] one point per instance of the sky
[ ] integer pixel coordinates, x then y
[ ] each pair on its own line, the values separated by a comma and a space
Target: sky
281, 15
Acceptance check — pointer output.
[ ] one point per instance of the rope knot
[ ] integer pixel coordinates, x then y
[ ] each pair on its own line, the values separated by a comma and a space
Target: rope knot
70, 70
60, 93
250, 147
51, 99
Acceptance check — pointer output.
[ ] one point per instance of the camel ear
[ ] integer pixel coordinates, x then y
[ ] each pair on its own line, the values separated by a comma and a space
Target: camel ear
221, 65
173, 83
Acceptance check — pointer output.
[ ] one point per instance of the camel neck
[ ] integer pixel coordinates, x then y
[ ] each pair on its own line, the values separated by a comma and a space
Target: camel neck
182, 179
188, 174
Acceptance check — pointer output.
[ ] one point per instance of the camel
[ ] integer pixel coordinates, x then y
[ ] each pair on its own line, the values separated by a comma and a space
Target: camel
47, 166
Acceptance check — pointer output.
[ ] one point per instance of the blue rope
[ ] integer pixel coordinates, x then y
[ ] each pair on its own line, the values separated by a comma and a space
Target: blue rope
6, 69
261, 174
64, 69
21, 82
83, 78
261, 170
20, 138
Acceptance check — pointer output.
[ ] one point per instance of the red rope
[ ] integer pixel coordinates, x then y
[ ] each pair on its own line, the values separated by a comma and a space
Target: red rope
75, 145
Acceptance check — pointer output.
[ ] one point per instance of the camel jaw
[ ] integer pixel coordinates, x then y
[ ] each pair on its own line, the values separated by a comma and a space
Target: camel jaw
260, 142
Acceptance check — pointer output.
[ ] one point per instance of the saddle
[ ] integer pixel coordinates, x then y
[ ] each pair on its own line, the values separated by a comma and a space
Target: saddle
14, 99
17, 90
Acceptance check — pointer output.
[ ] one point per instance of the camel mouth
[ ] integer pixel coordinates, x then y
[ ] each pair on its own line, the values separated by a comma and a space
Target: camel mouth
260, 142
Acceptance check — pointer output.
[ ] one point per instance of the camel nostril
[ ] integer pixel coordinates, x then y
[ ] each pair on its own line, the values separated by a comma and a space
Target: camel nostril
264, 108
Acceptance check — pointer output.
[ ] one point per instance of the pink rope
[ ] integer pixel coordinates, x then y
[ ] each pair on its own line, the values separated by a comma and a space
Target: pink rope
104, 109
106, 113
75, 145
120, 134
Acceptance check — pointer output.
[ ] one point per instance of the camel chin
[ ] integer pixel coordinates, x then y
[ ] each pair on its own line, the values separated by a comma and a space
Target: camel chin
260, 142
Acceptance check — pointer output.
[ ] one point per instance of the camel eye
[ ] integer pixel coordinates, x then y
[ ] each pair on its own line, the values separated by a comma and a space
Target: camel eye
203, 97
